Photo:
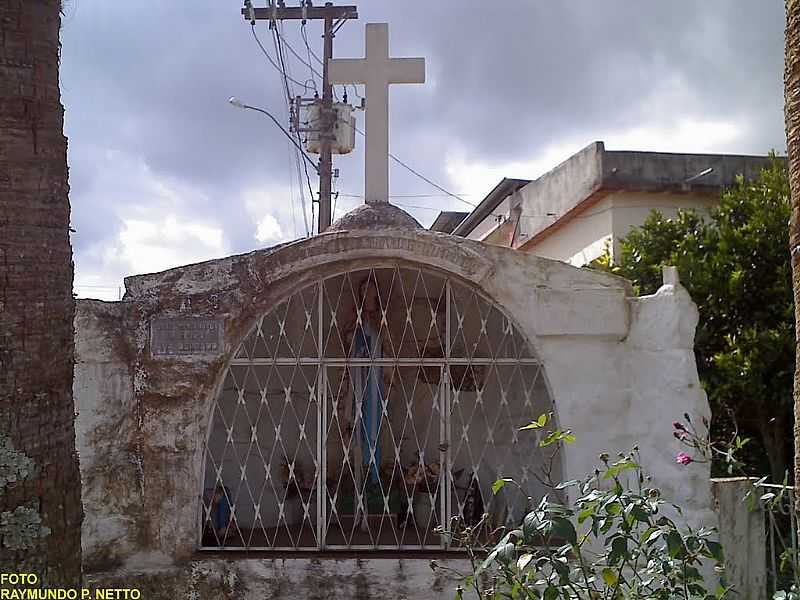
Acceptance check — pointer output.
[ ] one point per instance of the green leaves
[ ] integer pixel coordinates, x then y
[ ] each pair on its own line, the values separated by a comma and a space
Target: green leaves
552, 437
715, 551
620, 467
558, 435
609, 542
500, 484
619, 550
651, 535
563, 529
610, 577
537, 424
523, 561
675, 544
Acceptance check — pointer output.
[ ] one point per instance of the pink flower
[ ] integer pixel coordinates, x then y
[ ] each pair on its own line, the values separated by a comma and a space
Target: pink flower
679, 426
683, 459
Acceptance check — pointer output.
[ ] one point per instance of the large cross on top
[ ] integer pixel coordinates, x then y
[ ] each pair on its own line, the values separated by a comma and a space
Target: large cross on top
376, 71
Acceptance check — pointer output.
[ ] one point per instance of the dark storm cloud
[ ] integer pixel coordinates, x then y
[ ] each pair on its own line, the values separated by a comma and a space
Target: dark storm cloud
145, 86
519, 75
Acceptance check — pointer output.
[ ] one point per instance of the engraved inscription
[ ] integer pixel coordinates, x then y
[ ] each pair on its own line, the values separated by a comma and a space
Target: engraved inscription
176, 336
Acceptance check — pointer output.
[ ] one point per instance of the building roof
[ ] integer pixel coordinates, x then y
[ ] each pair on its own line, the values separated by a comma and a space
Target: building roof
448, 220
501, 191
588, 175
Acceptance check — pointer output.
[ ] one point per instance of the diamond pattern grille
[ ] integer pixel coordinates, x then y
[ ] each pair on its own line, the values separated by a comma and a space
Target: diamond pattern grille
365, 411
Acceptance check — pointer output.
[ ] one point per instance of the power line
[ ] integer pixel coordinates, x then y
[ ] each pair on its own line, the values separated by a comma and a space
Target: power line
283, 42
295, 158
302, 61
304, 35
420, 175
277, 40
416, 206
313, 54
280, 40
401, 204
302, 192
296, 143
404, 195
291, 153
334, 17
236, 102
436, 185
269, 58
282, 65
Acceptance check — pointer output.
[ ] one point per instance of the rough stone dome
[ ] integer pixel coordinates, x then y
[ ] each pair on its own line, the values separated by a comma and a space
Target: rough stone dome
375, 216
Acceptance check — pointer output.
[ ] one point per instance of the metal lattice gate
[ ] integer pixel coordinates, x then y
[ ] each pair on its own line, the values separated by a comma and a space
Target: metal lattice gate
365, 411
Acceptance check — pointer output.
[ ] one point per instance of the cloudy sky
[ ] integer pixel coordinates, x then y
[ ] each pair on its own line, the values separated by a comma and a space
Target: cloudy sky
165, 172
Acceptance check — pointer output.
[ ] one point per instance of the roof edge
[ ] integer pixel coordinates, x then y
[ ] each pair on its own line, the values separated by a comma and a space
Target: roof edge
501, 191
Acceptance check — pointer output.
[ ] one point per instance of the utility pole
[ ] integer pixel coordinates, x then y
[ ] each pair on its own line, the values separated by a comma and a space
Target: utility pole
333, 17
326, 136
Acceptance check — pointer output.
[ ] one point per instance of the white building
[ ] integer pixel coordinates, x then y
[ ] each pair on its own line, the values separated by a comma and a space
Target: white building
591, 200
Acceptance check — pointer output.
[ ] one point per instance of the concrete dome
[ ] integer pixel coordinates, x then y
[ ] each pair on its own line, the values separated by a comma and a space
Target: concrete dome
375, 216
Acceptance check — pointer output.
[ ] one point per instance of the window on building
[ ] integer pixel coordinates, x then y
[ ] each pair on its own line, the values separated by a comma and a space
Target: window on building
367, 410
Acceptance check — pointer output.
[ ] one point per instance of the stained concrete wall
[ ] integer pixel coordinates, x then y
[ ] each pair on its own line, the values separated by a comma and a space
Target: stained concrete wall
743, 535
620, 370
107, 431
290, 579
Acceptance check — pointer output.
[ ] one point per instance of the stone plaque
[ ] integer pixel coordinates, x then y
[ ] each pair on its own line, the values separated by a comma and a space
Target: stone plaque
177, 336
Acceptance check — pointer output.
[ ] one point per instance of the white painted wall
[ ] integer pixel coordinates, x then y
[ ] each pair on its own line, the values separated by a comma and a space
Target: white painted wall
631, 209
490, 223
582, 239
586, 236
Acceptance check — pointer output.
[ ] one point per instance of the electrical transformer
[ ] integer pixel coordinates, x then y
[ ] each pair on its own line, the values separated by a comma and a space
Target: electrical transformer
344, 128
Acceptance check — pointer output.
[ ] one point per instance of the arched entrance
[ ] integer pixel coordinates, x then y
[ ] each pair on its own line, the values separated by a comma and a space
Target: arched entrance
368, 409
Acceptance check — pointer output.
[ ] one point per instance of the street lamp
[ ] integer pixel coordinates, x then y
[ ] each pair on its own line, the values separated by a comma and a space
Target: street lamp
234, 101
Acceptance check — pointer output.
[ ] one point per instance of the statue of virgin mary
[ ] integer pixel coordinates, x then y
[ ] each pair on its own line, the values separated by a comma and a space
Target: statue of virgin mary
367, 380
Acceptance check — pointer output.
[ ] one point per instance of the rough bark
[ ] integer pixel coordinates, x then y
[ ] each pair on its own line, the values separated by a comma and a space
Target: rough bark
36, 302
791, 82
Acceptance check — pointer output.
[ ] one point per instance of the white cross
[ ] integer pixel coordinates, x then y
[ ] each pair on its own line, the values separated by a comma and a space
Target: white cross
376, 71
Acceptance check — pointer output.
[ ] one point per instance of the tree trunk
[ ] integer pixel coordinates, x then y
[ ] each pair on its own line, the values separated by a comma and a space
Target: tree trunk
791, 90
36, 302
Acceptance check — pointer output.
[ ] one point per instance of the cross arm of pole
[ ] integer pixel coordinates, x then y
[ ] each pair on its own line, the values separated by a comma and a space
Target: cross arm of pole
297, 13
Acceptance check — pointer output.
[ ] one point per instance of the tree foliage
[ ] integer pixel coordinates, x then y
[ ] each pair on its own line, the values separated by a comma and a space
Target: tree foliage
617, 538
735, 264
